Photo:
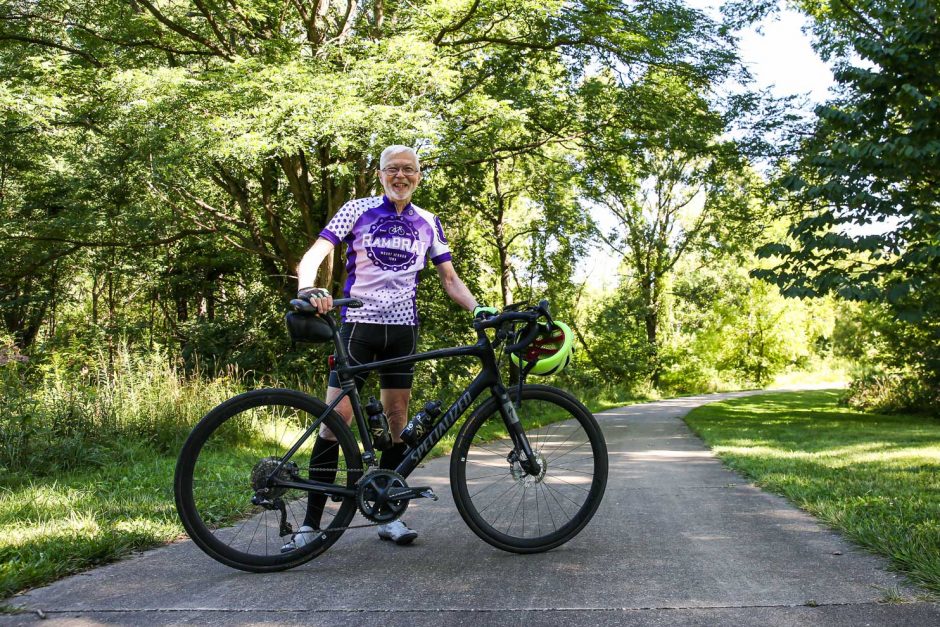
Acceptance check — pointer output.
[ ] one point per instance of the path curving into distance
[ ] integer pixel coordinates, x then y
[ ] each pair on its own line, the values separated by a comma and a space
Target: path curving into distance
678, 540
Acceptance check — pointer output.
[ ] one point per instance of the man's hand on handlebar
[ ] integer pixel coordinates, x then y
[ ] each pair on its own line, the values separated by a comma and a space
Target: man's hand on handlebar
318, 297
482, 311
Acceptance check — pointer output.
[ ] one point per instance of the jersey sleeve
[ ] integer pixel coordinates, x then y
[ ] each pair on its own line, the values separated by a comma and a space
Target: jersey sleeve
342, 223
439, 252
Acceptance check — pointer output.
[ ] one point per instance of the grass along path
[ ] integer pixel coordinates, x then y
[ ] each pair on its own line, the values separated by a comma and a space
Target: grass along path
873, 477
59, 524
54, 526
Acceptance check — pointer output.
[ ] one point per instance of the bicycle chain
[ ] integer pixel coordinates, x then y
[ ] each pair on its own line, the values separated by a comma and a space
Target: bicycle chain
347, 527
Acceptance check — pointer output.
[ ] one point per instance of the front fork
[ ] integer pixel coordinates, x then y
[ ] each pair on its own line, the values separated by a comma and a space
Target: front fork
522, 451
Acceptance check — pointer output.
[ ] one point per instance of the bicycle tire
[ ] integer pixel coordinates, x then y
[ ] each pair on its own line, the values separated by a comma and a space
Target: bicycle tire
213, 480
487, 486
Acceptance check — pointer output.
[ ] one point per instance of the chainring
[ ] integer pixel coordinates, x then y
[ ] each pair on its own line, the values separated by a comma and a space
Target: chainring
372, 495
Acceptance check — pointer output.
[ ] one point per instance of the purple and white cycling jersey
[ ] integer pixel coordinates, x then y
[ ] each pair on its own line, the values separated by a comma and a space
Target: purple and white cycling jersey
384, 253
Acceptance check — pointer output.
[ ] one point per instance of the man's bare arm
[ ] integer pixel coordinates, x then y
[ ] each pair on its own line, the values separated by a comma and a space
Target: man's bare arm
311, 261
454, 287
307, 272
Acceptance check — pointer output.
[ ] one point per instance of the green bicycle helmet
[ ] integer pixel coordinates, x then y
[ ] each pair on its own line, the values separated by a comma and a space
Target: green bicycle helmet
550, 351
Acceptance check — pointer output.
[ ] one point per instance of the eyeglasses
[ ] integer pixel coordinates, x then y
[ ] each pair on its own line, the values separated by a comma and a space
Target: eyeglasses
392, 170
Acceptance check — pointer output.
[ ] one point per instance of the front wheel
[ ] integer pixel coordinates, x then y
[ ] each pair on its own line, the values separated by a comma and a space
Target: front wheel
228, 457
521, 512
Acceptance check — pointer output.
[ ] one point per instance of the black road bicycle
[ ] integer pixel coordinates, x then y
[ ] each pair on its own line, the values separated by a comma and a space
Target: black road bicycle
527, 471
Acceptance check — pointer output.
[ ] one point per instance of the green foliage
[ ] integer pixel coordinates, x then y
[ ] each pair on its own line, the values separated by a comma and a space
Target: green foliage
891, 393
662, 164
719, 330
873, 477
614, 340
177, 159
747, 334
888, 355
865, 181
60, 417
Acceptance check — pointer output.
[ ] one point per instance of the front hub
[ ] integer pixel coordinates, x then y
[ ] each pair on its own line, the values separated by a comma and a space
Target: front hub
524, 477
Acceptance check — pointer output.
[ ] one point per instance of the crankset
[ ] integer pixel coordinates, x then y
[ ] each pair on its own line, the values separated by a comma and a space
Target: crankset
383, 495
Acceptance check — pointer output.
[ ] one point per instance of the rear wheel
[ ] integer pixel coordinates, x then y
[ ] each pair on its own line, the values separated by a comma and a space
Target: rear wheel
528, 513
229, 455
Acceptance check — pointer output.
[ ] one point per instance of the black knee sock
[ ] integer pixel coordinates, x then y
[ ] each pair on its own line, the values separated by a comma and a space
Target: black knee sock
393, 456
323, 461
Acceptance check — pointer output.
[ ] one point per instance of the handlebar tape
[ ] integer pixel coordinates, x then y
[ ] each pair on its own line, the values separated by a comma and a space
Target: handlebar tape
533, 330
305, 306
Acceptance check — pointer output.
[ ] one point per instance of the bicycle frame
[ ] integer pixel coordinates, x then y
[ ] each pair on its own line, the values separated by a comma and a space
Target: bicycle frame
488, 379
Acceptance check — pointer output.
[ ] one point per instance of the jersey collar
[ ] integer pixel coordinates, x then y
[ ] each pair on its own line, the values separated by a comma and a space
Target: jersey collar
390, 206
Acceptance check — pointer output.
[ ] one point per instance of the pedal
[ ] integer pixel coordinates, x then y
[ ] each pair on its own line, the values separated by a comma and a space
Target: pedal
428, 494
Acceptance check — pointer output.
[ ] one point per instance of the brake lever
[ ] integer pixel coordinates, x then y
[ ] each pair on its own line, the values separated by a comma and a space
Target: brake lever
543, 309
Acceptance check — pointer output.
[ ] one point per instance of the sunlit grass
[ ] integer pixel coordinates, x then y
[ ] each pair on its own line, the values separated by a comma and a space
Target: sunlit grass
54, 525
876, 478
50, 527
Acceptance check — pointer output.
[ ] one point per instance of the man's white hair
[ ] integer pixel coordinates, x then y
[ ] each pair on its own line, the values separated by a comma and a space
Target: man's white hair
395, 150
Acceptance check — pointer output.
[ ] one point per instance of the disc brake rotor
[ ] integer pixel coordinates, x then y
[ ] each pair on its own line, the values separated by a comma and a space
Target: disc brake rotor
524, 478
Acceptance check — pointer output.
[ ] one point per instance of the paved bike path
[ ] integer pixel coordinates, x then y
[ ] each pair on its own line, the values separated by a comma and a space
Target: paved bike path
678, 540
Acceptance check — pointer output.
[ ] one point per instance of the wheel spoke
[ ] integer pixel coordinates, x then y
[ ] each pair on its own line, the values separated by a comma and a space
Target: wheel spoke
580, 472
551, 459
236, 449
520, 511
556, 490
548, 508
573, 485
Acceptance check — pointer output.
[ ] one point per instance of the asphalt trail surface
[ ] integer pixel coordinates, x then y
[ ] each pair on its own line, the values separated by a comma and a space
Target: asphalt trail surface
678, 540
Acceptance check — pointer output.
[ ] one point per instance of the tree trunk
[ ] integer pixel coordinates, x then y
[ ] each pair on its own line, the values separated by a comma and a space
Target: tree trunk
651, 321
182, 307
111, 316
378, 12
94, 297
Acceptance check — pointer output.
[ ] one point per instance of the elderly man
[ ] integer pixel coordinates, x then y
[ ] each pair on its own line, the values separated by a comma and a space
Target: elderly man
387, 242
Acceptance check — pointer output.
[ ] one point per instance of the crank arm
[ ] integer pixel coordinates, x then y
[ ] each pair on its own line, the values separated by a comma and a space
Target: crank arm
404, 494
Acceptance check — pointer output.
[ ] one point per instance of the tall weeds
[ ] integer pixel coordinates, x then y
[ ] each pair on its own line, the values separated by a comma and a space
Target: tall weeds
63, 419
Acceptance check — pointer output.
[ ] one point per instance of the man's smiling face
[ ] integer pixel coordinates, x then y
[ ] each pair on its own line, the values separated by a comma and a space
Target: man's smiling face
399, 176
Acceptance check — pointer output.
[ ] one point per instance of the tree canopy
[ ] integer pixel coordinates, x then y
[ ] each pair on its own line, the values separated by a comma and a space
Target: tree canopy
164, 164
864, 183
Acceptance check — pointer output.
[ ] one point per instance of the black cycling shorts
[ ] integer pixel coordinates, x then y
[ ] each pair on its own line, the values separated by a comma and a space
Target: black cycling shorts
371, 342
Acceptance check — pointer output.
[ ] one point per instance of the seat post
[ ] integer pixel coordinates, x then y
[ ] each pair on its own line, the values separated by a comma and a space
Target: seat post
342, 357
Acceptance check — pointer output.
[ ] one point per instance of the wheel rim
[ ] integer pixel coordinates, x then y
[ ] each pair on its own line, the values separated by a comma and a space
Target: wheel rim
220, 489
522, 507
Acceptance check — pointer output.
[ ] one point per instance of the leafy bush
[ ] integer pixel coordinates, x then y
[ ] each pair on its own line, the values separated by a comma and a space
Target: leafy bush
686, 372
896, 360
892, 393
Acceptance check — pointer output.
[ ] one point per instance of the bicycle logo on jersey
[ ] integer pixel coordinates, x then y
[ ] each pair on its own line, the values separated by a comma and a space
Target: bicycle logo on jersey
393, 244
